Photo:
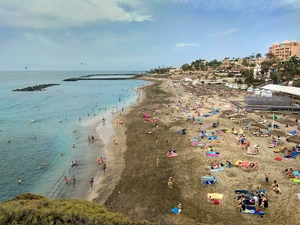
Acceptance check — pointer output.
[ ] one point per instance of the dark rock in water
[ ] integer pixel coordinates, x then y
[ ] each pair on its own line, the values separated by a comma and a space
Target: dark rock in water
39, 87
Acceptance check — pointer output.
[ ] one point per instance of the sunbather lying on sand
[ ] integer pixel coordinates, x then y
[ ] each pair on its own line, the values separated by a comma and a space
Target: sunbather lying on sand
210, 199
289, 172
216, 165
238, 202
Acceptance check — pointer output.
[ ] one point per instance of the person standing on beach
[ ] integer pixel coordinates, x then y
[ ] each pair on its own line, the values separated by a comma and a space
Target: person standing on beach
92, 182
157, 162
156, 143
73, 178
104, 167
167, 140
267, 176
170, 182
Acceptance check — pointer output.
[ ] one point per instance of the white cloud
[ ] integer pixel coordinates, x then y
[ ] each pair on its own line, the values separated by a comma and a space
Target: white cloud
222, 33
56, 14
42, 39
184, 45
242, 5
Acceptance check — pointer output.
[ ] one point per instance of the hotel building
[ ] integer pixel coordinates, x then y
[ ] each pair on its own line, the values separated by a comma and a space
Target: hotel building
286, 49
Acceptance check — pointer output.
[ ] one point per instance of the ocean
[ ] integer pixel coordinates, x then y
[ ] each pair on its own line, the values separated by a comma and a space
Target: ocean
56, 126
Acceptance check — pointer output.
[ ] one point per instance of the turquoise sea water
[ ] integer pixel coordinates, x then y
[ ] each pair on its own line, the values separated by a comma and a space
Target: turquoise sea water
41, 141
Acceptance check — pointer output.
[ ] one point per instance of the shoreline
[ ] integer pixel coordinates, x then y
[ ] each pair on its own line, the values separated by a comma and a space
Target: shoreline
114, 153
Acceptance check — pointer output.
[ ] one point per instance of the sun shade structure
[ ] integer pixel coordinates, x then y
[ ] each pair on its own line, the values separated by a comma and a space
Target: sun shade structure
268, 101
283, 89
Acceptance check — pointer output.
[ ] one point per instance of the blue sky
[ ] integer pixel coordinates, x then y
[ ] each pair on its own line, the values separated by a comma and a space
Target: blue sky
138, 34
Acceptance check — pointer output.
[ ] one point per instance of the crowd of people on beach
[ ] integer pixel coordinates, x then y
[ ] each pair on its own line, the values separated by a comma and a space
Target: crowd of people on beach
189, 105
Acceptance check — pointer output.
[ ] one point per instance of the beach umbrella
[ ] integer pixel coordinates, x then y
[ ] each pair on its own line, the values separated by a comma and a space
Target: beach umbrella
294, 139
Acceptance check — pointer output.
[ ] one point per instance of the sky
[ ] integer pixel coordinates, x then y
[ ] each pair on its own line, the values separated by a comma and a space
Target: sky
139, 34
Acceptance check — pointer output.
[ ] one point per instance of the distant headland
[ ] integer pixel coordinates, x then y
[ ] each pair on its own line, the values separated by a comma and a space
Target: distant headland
39, 87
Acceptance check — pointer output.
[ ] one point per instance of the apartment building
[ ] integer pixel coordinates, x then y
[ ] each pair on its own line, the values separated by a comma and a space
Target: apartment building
286, 49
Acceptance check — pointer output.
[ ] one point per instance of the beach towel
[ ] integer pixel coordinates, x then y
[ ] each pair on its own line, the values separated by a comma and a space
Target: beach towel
249, 210
214, 112
215, 195
195, 143
146, 115
212, 138
218, 109
292, 133
194, 139
241, 191
296, 180
294, 154
215, 142
203, 135
298, 196
216, 170
296, 173
208, 182
278, 158
172, 155
213, 155
208, 178
206, 115
175, 210
199, 120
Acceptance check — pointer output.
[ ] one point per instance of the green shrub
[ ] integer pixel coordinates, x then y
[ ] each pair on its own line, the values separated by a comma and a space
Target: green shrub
35, 209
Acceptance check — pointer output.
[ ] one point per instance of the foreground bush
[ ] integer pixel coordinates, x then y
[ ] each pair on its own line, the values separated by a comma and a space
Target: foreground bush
35, 209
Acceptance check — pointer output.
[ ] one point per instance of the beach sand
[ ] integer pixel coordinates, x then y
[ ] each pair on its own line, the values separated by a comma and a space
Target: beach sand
134, 186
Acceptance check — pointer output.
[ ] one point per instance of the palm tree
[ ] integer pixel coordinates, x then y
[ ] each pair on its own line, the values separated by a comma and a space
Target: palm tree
258, 55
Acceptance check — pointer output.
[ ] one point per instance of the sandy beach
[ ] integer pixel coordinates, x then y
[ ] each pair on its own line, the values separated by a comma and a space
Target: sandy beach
135, 186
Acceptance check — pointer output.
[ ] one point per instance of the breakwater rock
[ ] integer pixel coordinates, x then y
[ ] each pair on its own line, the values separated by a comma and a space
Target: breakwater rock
39, 87
105, 77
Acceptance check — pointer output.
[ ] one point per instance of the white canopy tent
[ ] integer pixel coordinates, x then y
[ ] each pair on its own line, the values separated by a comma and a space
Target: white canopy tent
283, 89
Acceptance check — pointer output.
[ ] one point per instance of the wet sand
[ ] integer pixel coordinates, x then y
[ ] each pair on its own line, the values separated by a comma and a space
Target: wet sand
134, 186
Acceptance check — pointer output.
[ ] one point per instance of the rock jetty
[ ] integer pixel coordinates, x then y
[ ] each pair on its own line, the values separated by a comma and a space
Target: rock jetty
39, 87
